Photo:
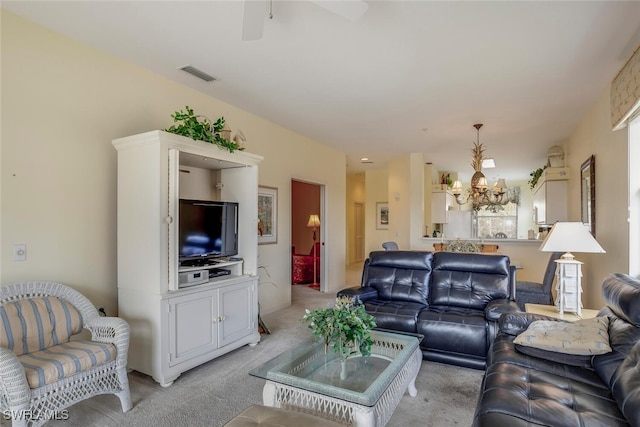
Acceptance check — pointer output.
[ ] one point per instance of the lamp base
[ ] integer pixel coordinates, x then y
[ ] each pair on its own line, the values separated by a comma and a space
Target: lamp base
567, 256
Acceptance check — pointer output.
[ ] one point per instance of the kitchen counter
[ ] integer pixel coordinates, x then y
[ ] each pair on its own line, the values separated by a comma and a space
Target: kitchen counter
524, 253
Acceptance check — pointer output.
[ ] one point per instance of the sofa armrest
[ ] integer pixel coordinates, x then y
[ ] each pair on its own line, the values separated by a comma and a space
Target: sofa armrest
498, 307
363, 293
113, 330
515, 323
13, 381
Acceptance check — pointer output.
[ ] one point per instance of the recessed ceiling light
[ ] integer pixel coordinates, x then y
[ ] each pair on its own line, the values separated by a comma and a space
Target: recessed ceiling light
365, 160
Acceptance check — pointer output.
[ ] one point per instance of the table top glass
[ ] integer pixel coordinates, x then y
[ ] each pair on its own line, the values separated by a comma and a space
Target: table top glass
308, 367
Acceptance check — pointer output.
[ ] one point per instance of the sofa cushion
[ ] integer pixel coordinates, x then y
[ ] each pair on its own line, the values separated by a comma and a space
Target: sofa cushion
584, 337
454, 329
626, 386
469, 280
34, 324
64, 360
515, 395
399, 275
580, 360
504, 351
623, 336
622, 295
396, 315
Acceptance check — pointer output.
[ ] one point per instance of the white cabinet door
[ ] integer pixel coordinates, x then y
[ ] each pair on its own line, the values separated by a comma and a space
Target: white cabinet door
540, 205
440, 203
193, 325
237, 313
550, 202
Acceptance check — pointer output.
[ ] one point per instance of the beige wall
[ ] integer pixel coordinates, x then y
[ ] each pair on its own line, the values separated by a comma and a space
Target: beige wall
62, 104
594, 136
377, 189
356, 193
399, 197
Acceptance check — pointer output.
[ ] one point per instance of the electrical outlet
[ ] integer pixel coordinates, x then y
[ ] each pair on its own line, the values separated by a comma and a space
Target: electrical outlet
19, 252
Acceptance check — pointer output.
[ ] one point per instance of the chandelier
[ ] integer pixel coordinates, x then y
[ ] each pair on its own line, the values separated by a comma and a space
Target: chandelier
480, 195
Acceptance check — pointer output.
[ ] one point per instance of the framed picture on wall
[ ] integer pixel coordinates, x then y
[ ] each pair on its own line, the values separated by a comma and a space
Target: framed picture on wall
267, 215
382, 216
588, 194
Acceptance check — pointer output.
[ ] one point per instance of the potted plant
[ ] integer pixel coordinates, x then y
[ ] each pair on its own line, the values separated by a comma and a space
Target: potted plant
190, 124
346, 326
535, 176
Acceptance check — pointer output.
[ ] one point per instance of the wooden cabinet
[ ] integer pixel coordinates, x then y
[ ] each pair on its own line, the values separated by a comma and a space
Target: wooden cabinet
174, 329
550, 203
441, 201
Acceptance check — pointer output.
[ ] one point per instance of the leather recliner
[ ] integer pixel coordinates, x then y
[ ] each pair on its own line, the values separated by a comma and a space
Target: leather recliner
521, 390
453, 299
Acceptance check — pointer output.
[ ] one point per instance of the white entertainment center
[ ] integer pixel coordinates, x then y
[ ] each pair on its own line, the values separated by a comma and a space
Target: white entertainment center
181, 317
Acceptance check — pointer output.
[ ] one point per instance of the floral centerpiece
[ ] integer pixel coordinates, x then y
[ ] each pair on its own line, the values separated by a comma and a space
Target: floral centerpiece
462, 246
345, 325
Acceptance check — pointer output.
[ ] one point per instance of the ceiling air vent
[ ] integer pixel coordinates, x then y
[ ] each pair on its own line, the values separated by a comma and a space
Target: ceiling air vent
199, 74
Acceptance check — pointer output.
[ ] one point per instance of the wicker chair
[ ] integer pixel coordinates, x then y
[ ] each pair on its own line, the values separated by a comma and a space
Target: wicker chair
43, 370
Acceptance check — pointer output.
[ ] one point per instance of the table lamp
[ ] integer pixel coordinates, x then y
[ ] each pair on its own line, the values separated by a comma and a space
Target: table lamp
569, 237
314, 222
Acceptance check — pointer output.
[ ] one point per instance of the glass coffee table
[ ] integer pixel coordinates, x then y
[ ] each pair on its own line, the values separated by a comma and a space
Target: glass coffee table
307, 379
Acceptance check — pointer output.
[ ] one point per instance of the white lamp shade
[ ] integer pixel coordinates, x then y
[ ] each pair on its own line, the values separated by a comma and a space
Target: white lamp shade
457, 187
570, 237
482, 183
501, 184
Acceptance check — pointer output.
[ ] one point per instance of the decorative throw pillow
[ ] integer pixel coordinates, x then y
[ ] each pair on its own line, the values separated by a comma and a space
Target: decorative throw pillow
584, 337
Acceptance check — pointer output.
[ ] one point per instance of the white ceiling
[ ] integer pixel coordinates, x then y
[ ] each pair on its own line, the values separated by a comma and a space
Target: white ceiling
409, 76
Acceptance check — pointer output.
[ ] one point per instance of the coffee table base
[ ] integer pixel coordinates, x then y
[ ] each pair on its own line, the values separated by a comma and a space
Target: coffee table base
284, 396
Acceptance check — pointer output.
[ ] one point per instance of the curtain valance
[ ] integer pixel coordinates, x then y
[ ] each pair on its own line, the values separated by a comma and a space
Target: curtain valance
625, 92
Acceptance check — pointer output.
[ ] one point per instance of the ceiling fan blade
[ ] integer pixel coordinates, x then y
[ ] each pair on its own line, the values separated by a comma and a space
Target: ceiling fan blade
253, 17
349, 9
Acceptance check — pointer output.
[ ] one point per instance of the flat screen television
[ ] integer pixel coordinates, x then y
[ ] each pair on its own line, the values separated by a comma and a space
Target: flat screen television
206, 230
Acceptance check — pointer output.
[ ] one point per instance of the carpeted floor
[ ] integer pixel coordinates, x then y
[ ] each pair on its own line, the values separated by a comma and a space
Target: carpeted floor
215, 392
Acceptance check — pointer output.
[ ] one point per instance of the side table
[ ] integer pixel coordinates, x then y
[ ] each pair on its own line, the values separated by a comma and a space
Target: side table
552, 311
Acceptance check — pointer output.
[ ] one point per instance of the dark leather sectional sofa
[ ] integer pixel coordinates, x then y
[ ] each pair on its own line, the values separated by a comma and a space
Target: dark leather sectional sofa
520, 390
453, 299
464, 306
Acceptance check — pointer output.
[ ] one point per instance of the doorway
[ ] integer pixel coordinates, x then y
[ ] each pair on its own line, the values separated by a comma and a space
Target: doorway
307, 236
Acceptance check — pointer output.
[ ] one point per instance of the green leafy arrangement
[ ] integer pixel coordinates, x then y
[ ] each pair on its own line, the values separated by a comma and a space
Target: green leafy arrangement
202, 130
535, 176
346, 325
462, 246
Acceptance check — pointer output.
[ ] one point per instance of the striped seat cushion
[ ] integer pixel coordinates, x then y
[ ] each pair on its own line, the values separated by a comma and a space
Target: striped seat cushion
34, 324
64, 360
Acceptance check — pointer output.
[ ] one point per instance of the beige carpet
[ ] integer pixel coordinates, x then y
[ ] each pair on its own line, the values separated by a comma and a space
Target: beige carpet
215, 392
